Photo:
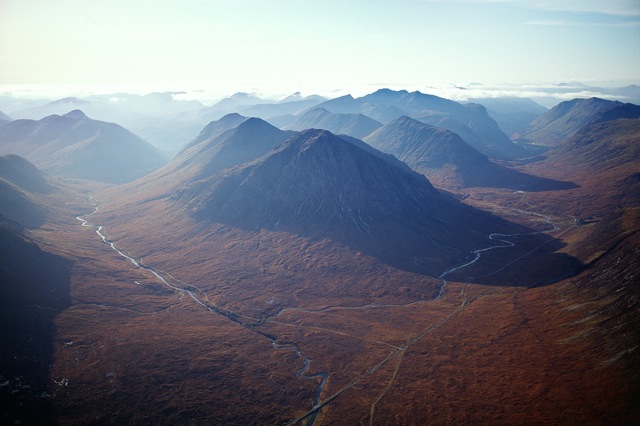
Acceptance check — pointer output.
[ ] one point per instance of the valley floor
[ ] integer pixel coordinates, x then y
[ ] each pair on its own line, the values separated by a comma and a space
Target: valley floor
499, 340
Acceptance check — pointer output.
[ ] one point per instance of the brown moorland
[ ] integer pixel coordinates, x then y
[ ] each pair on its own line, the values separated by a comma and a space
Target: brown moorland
218, 323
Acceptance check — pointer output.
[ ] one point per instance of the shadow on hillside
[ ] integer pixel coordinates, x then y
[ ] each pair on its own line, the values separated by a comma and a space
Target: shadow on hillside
35, 288
433, 247
504, 177
534, 260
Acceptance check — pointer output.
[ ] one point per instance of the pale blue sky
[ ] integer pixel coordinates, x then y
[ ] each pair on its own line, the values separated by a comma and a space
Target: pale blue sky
315, 46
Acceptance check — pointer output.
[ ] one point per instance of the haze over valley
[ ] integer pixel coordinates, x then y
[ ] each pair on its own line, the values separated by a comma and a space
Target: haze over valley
392, 213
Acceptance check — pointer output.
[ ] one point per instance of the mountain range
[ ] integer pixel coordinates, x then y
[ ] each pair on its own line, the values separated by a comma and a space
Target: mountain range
316, 185
470, 121
268, 276
76, 146
355, 125
445, 158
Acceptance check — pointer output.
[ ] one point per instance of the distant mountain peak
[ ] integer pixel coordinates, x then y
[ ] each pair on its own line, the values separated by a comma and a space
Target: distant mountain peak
69, 100
387, 91
76, 114
297, 96
241, 95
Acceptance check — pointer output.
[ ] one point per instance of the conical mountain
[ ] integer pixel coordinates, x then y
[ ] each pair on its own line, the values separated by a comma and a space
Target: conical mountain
356, 125
319, 185
447, 160
76, 146
567, 118
215, 128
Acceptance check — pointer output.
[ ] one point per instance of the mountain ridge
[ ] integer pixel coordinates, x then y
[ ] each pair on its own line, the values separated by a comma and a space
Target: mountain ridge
77, 146
567, 118
355, 125
444, 157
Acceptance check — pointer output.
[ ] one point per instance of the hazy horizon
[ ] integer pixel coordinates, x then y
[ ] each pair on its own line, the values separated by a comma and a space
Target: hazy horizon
214, 49
547, 95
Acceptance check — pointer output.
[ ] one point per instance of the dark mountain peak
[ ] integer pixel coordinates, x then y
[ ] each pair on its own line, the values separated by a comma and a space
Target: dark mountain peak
76, 114
315, 178
254, 125
22, 173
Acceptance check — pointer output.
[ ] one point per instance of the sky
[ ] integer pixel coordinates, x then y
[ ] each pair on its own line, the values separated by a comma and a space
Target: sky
316, 46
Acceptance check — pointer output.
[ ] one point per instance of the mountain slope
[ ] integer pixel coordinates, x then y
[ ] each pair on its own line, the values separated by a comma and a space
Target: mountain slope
567, 118
4, 118
19, 179
445, 158
77, 146
22, 173
356, 125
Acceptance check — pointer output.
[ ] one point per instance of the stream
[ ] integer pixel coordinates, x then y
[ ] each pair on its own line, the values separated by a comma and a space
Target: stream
232, 316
